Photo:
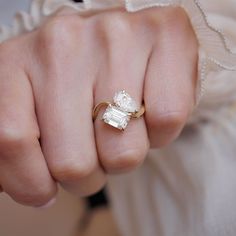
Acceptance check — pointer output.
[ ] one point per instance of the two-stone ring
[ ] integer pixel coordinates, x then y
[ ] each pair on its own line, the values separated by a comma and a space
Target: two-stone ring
120, 111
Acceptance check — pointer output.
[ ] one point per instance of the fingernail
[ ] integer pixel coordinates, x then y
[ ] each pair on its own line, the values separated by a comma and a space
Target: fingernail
48, 205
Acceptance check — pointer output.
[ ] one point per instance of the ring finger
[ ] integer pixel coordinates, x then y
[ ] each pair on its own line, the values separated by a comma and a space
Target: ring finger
121, 151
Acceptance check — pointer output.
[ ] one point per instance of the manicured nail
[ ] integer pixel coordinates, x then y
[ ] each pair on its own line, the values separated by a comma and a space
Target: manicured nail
48, 205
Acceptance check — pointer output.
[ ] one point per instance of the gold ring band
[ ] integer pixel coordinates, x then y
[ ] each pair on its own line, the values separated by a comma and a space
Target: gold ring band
120, 111
97, 108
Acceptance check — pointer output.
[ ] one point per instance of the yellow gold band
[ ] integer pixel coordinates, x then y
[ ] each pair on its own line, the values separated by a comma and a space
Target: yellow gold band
119, 112
99, 106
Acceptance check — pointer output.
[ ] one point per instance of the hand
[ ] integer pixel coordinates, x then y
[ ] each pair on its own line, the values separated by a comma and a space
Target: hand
52, 77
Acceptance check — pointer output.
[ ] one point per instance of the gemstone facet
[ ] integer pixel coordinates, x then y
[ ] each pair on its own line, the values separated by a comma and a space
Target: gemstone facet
123, 100
119, 113
115, 117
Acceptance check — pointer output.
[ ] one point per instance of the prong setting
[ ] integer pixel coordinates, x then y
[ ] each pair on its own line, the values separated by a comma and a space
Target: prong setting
116, 117
119, 113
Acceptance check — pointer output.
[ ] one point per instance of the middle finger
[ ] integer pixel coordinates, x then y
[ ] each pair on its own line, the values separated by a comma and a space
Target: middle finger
121, 151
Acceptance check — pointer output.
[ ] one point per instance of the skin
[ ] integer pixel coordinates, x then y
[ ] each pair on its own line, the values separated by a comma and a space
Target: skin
52, 77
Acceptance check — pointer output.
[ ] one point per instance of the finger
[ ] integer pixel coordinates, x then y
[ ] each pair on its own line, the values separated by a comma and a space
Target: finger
1, 190
23, 171
64, 105
67, 137
122, 151
170, 84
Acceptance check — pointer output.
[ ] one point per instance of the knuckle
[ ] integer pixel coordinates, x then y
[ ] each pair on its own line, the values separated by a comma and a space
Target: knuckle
59, 34
14, 138
36, 197
168, 122
124, 161
86, 192
71, 171
88, 186
119, 25
169, 22
175, 17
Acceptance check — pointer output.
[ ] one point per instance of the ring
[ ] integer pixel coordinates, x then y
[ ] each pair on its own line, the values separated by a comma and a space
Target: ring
120, 111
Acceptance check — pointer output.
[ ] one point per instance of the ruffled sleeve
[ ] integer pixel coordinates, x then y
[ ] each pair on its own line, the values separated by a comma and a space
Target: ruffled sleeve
214, 40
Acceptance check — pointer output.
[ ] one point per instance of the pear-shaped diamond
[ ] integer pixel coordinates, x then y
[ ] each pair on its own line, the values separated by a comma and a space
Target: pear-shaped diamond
123, 100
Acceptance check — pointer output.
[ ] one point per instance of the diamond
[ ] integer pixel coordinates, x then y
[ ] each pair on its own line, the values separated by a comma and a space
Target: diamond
116, 117
123, 100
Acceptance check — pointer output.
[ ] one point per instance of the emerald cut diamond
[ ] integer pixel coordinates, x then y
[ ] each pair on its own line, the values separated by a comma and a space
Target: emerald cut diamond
119, 113
115, 117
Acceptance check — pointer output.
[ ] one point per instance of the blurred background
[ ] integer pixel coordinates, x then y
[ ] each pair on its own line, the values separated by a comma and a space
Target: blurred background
70, 216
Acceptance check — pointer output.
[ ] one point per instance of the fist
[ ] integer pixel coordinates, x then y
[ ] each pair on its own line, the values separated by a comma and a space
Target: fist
51, 78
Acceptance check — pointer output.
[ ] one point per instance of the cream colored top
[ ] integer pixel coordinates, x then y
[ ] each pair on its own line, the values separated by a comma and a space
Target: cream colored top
188, 188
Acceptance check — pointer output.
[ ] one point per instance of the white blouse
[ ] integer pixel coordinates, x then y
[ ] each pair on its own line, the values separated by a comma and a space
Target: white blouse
8, 9
188, 188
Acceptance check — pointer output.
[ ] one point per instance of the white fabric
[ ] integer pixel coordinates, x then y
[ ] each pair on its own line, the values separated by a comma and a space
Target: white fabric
9, 7
189, 188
